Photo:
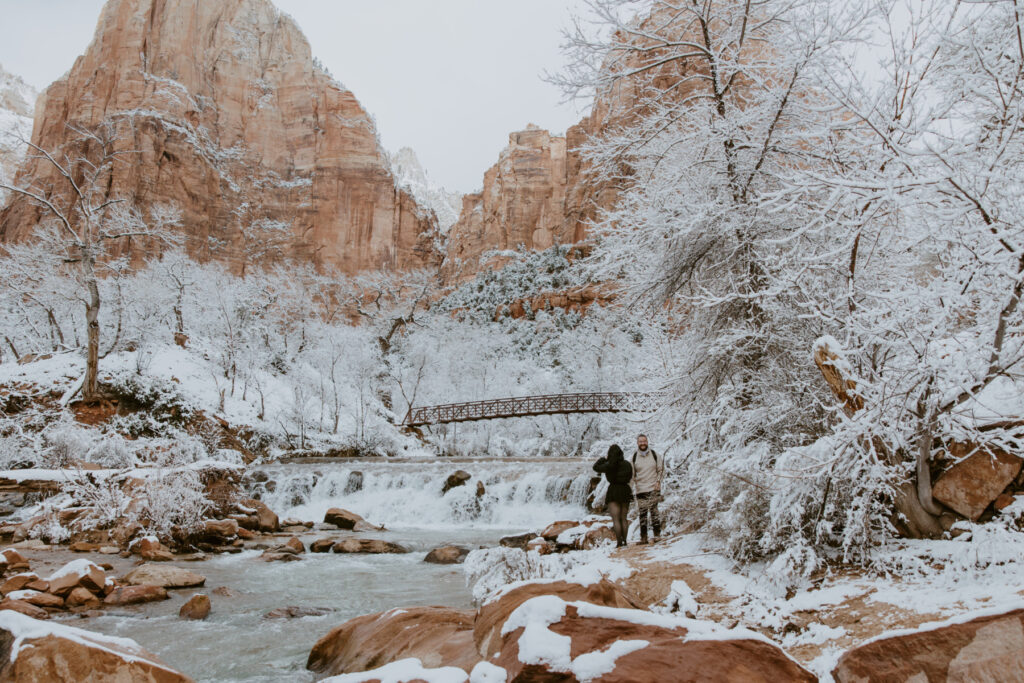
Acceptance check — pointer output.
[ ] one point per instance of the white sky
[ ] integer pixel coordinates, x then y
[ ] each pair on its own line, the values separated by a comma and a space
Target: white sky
449, 78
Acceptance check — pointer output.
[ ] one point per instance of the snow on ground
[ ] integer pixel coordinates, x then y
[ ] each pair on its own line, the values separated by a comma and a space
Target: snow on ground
917, 584
493, 572
195, 378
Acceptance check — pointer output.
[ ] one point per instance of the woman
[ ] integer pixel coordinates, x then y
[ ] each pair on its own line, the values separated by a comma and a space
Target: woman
618, 472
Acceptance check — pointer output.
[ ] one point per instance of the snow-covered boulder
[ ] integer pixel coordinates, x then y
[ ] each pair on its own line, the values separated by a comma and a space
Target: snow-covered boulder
38, 652
494, 613
985, 648
548, 638
77, 573
977, 479
436, 636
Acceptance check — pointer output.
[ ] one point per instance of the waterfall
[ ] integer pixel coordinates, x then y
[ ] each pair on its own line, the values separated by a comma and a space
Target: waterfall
407, 494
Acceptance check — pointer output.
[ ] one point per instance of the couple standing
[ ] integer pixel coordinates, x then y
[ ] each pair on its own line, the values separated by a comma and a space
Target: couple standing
641, 475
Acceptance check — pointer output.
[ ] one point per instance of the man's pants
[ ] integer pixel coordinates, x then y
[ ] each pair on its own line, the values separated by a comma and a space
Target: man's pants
647, 503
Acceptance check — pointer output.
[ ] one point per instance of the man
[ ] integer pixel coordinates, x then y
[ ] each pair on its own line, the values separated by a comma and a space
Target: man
648, 471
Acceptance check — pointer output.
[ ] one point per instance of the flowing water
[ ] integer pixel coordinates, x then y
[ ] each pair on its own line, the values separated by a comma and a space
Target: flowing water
236, 642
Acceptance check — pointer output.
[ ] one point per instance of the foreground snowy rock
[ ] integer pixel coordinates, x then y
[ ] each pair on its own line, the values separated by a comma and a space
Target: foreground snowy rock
436, 636
494, 613
987, 648
553, 631
547, 636
38, 652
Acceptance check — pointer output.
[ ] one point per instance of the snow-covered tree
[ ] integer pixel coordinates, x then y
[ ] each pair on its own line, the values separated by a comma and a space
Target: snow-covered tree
81, 219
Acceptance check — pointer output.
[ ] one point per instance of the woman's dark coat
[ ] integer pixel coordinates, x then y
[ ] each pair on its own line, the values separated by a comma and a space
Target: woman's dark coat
618, 472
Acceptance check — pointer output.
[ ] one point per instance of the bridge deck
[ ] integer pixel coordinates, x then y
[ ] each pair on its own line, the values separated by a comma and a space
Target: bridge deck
525, 406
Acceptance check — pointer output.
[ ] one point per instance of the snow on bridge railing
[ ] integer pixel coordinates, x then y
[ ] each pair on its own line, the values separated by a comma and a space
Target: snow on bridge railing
526, 406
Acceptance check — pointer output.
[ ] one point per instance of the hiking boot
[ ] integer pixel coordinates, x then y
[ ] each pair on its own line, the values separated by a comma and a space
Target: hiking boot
643, 541
656, 539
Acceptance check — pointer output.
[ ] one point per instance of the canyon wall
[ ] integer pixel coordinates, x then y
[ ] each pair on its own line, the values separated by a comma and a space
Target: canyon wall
220, 110
542, 191
17, 103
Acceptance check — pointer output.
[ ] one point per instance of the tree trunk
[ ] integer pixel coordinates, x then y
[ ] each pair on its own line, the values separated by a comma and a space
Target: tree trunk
90, 390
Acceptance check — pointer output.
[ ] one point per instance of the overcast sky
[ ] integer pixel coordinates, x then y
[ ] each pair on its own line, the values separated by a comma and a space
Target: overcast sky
449, 78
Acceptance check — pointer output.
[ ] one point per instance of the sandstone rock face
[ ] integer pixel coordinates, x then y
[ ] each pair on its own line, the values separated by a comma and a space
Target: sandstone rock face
493, 614
522, 203
437, 636
163, 575
34, 652
970, 485
264, 153
550, 639
984, 649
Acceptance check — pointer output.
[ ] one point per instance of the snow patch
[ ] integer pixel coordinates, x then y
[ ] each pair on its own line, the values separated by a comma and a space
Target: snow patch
410, 669
410, 176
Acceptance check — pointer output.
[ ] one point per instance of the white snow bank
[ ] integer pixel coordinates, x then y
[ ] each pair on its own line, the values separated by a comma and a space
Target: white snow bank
403, 670
25, 628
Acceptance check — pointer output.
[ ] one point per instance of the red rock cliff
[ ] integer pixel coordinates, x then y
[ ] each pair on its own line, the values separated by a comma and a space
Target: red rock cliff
230, 119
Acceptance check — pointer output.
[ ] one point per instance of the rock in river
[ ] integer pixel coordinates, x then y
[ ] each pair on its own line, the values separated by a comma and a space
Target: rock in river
449, 554
368, 545
350, 521
34, 652
165, 576
197, 607
134, 595
438, 636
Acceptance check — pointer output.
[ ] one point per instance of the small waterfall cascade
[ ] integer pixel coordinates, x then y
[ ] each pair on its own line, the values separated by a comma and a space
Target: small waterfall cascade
499, 494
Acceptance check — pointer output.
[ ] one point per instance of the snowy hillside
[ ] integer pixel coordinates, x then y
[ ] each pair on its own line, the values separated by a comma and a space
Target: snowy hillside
17, 104
411, 177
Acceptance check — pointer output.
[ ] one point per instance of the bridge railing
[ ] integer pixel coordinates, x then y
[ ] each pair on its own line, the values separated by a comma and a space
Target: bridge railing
525, 406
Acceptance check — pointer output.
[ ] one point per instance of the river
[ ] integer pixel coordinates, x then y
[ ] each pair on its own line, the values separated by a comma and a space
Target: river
237, 643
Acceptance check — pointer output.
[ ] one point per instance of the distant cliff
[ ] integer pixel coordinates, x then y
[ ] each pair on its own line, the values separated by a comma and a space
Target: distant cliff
226, 115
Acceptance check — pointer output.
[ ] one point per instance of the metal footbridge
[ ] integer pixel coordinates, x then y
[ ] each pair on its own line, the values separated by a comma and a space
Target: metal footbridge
527, 406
